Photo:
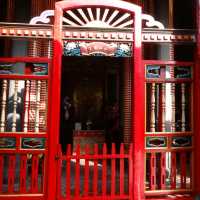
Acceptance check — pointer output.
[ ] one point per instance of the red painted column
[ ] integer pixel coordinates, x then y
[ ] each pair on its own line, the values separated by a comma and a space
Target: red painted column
54, 104
196, 104
138, 112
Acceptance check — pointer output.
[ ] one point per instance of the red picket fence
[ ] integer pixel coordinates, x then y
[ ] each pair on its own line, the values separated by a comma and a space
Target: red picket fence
22, 173
169, 172
95, 172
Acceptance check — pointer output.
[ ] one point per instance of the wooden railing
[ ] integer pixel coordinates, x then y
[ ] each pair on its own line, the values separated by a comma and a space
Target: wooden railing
23, 122
97, 172
22, 173
169, 128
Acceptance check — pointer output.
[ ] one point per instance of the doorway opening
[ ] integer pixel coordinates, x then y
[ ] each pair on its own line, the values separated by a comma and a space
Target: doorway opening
92, 100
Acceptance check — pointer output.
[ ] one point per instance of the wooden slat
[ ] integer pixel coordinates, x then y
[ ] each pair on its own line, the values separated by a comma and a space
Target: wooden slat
59, 170
163, 171
191, 169
43, 178
1, 171
86, 171
173, 170
68, 171
77, 172
22, 181
131, 171
153, 171
95, 171
34, 175
113, 171
121, 189
104, 171
183, 169
11, 173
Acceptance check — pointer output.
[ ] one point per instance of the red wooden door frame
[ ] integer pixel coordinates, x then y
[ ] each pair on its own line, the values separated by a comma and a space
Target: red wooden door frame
196, 103
138, 91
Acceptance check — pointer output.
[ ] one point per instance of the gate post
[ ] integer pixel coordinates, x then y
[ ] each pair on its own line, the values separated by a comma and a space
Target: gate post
54, 104
196, 103
138, 111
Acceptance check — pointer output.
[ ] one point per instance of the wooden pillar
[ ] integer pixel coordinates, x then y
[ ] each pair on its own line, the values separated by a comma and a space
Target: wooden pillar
138, 111
54, 103
196, 104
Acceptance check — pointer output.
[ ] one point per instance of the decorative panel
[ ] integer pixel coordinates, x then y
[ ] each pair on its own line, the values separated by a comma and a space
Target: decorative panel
153, 71
7, 143
97, 49
6, 68
33, 143
181, 141
182, 72
156, 142
21, 68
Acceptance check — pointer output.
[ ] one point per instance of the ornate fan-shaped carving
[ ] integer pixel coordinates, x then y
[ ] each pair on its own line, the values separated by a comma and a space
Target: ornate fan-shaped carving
89, 17
98, 17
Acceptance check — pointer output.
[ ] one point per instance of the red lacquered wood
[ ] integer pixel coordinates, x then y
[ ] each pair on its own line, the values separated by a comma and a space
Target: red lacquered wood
77, 172
68, 170
138, 91
173, 170
59, 174
95, 171
138, 111
183, 169
1, 171
34, 174
54, 104
25, 59
11, 173
43, 178
86, 171
23, 166
121, 188
113, 170
163, 171
153, 171
189, 197
23, 77
191, 171
104, 171
196, 113
22, 197
131, 171
172, 63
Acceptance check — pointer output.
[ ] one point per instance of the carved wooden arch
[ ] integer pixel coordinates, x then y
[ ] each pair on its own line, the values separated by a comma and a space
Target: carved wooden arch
138, 86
